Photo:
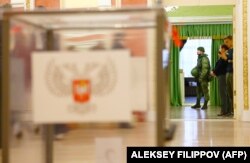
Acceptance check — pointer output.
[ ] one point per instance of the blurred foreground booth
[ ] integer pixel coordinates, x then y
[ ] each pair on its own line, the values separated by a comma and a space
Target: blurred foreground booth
80, 66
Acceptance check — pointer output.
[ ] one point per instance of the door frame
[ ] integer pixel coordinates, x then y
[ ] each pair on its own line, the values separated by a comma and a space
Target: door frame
238, 46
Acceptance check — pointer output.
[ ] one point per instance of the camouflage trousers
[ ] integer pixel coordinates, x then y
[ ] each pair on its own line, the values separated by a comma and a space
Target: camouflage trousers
202, 89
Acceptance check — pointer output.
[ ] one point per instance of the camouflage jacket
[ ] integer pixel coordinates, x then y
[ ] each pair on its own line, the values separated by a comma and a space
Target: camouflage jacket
203, 66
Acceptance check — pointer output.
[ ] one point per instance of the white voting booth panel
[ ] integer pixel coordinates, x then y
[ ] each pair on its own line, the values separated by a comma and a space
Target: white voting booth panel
91, 86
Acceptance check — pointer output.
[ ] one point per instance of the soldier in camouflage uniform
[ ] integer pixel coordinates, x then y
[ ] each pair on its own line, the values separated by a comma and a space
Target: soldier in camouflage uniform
203, 69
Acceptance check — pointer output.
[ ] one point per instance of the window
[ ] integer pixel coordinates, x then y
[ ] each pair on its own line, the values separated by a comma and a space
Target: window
188, 54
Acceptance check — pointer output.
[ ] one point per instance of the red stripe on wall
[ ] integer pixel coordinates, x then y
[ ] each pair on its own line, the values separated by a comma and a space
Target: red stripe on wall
4, 2
134, 2
52, 4
113, 3
136, 42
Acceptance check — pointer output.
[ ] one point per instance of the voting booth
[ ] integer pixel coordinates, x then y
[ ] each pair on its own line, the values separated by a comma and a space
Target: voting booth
80, 66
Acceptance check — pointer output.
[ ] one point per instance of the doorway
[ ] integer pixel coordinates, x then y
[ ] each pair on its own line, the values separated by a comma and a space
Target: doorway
237, 19
197, 27
188, 60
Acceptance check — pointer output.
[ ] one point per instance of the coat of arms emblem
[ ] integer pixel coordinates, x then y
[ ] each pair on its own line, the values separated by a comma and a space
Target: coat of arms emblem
81, 90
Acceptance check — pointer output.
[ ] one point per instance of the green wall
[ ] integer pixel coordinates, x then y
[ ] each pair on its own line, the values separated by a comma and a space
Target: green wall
192, 11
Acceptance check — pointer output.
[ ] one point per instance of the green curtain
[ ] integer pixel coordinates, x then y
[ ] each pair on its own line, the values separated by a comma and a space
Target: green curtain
214, 92
175, 90
217, 32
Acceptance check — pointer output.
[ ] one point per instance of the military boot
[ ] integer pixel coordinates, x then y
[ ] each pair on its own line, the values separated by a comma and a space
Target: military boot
204, 107
197, 105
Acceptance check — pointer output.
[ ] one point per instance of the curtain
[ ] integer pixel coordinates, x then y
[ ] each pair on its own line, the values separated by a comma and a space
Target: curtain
175, 90
214, 92
217, 32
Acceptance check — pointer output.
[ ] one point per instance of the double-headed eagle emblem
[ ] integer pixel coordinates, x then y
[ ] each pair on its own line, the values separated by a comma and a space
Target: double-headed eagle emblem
59, 77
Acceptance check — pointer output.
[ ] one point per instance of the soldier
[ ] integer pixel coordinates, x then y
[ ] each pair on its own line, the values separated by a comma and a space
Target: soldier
202, 77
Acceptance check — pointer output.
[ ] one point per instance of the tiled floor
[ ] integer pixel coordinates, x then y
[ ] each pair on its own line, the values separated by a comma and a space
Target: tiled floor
79, 145
187, 113
194, 128
220, 132
190, 100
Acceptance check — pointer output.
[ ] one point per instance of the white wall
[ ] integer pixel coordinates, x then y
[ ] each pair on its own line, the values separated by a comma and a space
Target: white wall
244, 114
78, 3
22, 3
198, 2
238, 65
84, 3
17, 1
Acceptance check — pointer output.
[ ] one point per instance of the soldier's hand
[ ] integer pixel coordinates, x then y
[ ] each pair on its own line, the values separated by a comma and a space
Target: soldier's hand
212, 73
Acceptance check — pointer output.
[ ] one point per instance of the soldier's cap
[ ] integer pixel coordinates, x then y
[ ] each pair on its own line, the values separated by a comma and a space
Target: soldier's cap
201, 49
